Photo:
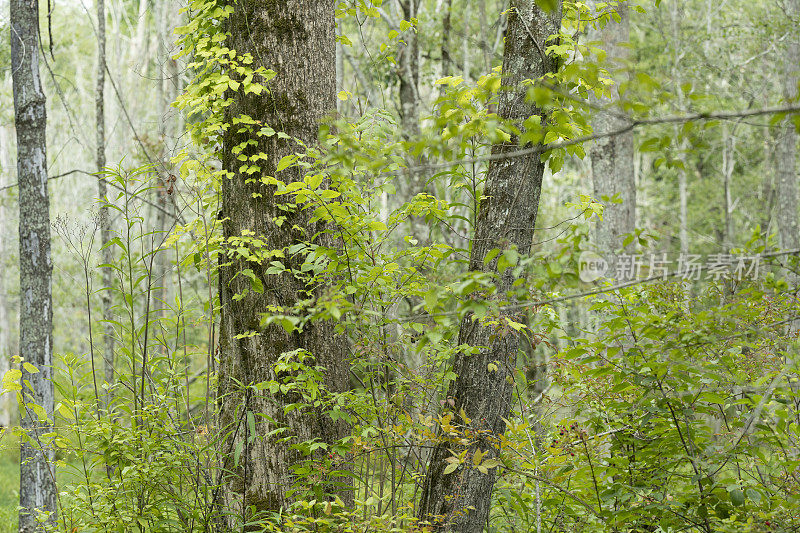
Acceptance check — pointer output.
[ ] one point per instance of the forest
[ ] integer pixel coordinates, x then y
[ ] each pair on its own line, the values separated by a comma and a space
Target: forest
400, 266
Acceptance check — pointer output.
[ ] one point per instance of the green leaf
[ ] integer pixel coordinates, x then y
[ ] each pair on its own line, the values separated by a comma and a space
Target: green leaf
11, 379
449, 469
256, 285
285, 162
313, 181
753, 495
492, 463
547, 5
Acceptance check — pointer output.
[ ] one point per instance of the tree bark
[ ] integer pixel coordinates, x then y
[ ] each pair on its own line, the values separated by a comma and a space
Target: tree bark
676, 15
728, 166
37, 490
107, 253
296, 39
460, 501
786, 156
612, 157
446, 27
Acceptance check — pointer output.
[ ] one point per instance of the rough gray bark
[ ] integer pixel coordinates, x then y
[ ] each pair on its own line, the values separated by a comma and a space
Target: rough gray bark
506, 217
107, 253
786, 156
612, 157
37, 490
296, 39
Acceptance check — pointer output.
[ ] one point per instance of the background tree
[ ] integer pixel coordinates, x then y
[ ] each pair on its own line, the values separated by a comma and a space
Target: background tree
612, 156
102, 193
786, 157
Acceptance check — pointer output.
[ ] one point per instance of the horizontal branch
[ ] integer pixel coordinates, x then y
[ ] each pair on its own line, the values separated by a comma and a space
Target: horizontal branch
632, 124
114, 185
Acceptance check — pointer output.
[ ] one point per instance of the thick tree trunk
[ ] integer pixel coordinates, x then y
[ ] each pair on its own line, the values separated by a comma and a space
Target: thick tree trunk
37, 489
460, 500
612, 157
786, 156
296, 39
107, 252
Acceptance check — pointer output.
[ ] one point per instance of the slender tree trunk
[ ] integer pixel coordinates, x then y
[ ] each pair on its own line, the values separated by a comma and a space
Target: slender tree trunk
165, 95
460, 500
612, 157
466, 48
446, 26
676, 15
484, 22
786, 156
5, 324
37, 489
768, 189
728, 165
339, 65
296, 39
408, 72
683, 200
102, 191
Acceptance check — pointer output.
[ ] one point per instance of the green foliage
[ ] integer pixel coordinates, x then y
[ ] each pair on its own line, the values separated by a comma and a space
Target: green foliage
666, 406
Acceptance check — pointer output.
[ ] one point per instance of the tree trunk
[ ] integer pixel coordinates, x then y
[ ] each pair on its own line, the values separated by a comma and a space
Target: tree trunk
446, 27
676, 16
5, 250
786, 156
612, 157
296, 39
166, 92
408, 72
102, 191
37, 489
728, 166
506, 218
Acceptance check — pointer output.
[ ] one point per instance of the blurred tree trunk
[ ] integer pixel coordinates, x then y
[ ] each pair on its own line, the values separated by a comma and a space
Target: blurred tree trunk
612, 157
786, 156
408, 72
676, 14
728, 166
460, 500
295, 38
5, 324
37, 489
166, 92
446, 27
102, 191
